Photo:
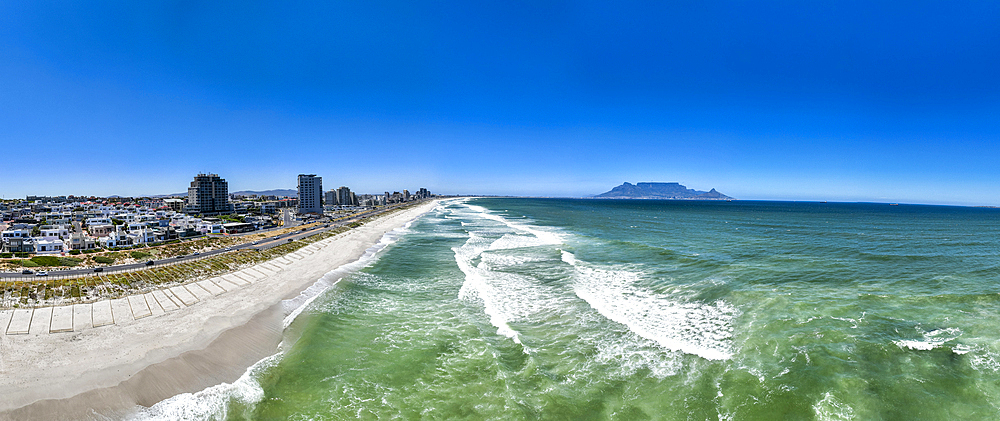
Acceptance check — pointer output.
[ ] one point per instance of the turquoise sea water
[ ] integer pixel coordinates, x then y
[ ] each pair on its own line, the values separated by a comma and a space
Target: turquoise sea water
529, 309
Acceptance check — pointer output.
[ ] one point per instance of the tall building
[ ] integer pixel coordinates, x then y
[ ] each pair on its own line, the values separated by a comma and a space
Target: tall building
345, 197
208, 195
310, 194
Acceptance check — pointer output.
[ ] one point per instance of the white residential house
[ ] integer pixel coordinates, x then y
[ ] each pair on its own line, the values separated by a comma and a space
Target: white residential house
210, 227
101, 230
57, 231
143, 236
115, 239
61, 220
181, 221
49, 245
134, 227
81, 242
15, 240
98, 221
15, 233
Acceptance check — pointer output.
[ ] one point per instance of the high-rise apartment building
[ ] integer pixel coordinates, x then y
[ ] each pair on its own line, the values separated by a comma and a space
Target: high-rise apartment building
310, 194
342, 196
208, 195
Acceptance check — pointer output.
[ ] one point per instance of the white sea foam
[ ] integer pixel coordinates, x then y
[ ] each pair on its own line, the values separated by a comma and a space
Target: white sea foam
631, 352
694, 328
831, 409
546, 237
213, 402
505, 297
918, 345
962, 349
495, 261
500, 294
985, 361
295, 306
513, 241
932, 339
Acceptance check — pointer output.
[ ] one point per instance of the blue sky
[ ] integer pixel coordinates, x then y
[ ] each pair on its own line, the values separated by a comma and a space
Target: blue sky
852, 101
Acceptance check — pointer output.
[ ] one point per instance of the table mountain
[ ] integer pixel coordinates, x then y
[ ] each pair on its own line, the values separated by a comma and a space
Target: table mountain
660, 191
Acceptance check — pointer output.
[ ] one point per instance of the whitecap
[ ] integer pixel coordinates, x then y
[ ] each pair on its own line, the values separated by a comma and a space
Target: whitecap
832, 409
702, 329
212, 402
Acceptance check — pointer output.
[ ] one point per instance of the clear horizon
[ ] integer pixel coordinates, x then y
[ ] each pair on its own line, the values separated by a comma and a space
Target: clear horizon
847, 102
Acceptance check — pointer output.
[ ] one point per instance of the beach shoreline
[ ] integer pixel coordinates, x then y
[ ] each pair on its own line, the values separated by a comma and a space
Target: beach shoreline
110, 371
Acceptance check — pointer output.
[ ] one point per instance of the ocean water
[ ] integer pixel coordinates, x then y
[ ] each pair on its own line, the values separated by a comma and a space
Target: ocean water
528, 309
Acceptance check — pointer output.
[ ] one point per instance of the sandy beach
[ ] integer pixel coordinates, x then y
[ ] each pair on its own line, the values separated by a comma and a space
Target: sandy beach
107, 371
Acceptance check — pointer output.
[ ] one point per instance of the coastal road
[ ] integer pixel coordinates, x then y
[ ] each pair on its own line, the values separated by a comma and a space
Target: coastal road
263, 244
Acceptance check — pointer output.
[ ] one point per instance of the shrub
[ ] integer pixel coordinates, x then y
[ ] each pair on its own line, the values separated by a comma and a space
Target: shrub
104, 260
26, 263
22, 254
45, 260
139, 255
69, 261
6, 255
74, 252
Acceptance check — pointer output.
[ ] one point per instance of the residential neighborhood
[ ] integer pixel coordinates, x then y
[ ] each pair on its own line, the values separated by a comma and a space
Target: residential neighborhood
74, 225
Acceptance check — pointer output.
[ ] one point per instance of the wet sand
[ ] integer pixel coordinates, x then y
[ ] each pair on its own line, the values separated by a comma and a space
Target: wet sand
105, 372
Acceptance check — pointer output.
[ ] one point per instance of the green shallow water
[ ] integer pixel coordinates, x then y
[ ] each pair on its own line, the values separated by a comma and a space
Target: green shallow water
634, 310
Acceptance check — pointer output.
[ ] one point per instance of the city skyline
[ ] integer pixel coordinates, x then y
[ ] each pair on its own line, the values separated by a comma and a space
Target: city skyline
851, 101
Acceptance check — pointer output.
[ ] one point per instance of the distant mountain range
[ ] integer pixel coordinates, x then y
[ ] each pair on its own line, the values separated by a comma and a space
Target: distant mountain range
277, 192
660, 191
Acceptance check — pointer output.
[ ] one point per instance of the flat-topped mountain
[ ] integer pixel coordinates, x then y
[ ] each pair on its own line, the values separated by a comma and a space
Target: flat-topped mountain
660, 191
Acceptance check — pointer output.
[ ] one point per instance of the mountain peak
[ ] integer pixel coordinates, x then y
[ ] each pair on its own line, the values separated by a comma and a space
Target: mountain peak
659, 190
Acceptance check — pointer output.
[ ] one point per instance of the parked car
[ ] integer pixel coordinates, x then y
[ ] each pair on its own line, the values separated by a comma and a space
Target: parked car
98, 269
197, 253
42, 273
26, 272
149, 263
291, 239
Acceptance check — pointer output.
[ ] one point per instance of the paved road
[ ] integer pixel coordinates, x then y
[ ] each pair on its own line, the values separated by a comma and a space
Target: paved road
264, 244
287, 220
